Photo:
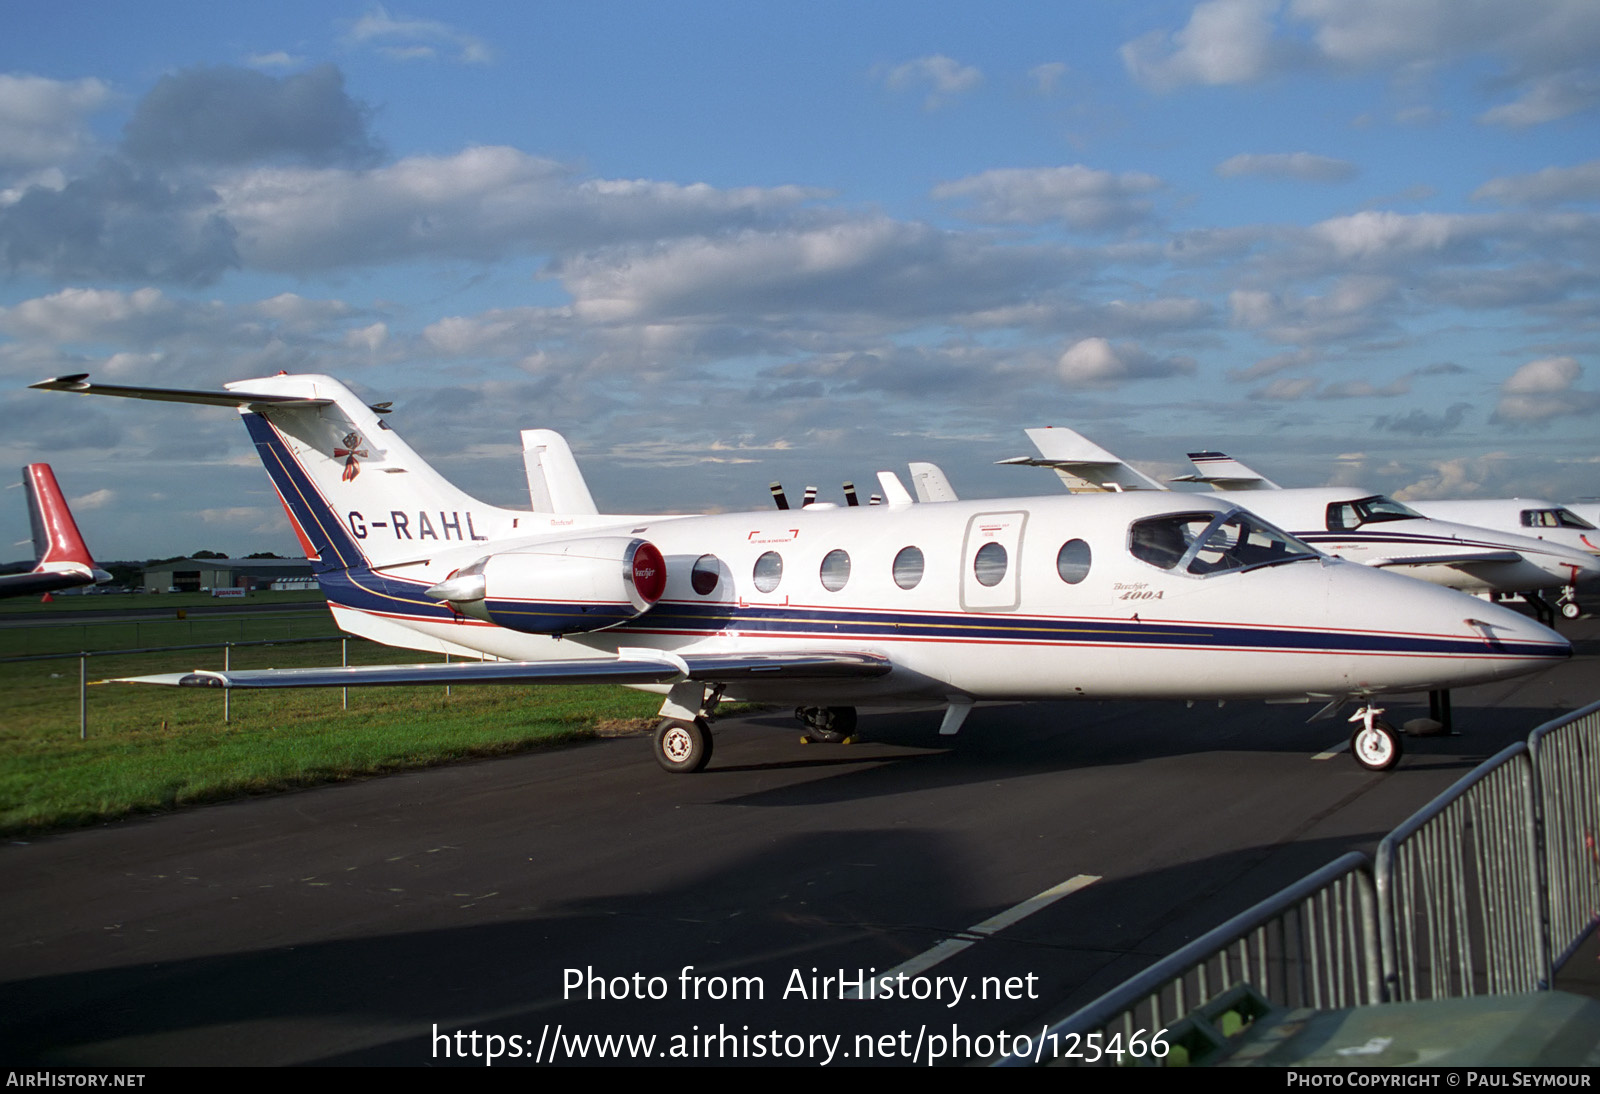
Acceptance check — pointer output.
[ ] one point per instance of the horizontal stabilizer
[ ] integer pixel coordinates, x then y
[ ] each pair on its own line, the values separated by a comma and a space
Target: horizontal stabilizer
1222, 471
1081, 464
710, 667
79, 384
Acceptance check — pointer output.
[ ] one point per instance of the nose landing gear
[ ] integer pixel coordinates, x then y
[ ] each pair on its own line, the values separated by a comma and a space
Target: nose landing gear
1375, 744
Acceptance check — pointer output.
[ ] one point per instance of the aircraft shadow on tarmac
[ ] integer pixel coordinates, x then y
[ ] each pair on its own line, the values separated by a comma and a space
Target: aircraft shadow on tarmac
829, 900
904, 752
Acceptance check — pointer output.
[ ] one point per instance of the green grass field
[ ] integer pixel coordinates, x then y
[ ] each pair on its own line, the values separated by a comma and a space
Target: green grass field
152, 748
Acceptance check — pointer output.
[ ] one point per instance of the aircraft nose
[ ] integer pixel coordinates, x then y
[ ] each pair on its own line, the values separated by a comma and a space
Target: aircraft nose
1514, 636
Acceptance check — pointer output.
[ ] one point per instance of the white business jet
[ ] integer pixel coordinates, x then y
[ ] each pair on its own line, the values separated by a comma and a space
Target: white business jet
61, 560
1121, 597
1528, 517
1348, 522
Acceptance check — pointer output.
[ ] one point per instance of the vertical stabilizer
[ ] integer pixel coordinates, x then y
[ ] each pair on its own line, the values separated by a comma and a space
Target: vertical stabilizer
555, 483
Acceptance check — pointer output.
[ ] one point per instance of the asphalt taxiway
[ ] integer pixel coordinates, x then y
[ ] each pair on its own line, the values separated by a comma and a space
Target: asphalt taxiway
357, 923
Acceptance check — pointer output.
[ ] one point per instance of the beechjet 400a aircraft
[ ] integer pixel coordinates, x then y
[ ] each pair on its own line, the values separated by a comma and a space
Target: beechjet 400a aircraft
1349, 522
61, 560
1120, 597
1529, 518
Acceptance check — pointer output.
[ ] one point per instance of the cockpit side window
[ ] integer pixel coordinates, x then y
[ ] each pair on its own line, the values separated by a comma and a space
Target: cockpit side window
1553, 518
1211, 543
1345, 515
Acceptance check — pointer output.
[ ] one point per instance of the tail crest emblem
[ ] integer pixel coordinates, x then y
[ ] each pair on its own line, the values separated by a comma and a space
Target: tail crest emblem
352, 468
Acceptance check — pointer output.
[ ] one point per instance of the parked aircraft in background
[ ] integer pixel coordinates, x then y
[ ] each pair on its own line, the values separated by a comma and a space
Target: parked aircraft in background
1118, 597
61, 561
1348, 522
1532, 517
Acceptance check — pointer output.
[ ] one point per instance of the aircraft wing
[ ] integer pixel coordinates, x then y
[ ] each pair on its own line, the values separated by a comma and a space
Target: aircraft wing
630, 666
1457, 558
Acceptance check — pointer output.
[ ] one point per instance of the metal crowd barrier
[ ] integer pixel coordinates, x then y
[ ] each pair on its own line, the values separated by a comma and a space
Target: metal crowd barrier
1313, 944
1565, 754
1485, 890
1459, 893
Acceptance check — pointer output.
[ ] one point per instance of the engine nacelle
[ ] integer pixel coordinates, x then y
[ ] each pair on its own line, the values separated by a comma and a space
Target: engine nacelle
563, 587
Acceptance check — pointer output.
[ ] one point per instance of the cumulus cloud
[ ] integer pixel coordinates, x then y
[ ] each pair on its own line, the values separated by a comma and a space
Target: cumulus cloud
42, 121
1546, 47
228, 116
95, 499
1544, 389
1547, 99
1046, 78
877, 266
1354, 305
405, 39
1286, 389
1378, 234
1300, 166
121, 223
1551, 186
1419, 423
944, 77
1095, 362
1080, 196
1225, 42
481, 203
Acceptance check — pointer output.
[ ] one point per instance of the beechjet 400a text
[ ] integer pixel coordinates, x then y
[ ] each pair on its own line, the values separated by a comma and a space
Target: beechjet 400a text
1126, 596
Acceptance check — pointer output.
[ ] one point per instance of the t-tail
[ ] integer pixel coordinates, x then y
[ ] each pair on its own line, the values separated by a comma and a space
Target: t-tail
372, 516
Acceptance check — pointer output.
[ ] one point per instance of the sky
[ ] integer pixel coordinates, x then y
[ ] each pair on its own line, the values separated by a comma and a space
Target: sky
721, 244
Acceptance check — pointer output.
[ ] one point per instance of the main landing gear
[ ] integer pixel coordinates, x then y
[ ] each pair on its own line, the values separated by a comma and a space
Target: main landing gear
683, 738
683, 745
1375, 744
827, 725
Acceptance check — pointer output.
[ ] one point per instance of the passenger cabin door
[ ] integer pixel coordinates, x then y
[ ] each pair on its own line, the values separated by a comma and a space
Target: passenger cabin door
991, 562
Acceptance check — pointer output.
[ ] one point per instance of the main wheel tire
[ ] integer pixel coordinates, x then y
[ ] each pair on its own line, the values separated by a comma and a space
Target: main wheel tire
1571, 610
683, 747
1378, 748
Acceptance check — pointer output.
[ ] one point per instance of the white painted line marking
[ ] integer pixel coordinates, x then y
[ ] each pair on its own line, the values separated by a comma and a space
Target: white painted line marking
949, 947
1336, 750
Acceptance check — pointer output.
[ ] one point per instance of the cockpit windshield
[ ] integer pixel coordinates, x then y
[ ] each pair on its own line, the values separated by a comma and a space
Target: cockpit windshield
1553, 518
1344, 515
1213, 543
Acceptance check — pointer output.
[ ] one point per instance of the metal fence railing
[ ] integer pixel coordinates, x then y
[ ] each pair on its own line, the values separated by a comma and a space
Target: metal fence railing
1313, 944
226, 648
1565, 754
1487, 889
1458, 887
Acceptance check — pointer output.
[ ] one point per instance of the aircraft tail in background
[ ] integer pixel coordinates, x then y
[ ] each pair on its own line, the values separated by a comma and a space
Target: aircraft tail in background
61, 558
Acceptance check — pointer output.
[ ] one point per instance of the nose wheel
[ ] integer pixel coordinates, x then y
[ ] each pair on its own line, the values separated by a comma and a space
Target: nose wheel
1375, 744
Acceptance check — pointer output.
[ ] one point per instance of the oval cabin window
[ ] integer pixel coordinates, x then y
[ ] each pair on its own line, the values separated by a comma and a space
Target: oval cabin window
768, 571
989, 565
1072, 561
835, 571
908, 566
